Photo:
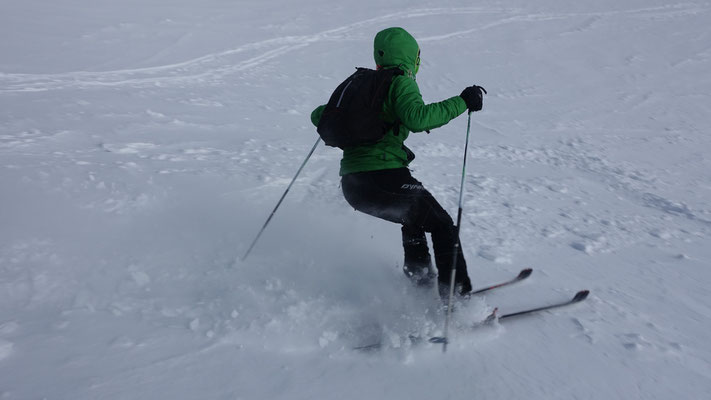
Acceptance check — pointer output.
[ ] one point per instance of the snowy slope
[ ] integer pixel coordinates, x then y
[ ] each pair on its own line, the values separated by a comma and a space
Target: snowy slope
144, 143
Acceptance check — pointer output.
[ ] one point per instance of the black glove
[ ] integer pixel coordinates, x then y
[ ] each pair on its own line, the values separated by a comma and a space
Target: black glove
473, 97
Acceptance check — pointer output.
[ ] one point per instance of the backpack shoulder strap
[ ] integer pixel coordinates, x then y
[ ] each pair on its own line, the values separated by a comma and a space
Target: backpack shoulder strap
392, 73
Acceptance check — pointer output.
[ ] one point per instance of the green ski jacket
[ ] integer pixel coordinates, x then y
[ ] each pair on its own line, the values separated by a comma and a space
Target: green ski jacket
396, 48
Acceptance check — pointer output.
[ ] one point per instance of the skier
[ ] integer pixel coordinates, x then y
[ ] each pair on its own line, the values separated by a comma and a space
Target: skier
375, 177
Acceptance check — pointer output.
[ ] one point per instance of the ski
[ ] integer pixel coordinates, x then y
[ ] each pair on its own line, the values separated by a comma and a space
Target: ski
414, 340
580, 296
525, 273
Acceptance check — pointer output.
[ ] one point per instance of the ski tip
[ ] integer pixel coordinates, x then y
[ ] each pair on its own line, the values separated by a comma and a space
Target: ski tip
581, 295
525, 273
438, 339
492, 317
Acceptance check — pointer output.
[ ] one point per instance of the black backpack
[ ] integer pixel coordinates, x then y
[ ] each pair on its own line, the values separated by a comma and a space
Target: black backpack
352, 115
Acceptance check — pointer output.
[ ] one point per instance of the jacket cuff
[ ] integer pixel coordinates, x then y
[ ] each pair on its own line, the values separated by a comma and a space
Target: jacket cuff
461, 105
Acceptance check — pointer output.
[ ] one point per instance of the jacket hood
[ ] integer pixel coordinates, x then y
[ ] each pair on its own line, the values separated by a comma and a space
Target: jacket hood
395, 47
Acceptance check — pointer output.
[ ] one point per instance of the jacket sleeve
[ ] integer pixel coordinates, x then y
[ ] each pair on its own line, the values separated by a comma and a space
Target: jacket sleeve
316, 114
418, 116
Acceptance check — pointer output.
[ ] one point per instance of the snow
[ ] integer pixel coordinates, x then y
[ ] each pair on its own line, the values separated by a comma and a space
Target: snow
144, 143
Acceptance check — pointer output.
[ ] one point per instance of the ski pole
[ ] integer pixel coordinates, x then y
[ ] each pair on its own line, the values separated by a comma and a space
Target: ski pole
456, 243
281, 199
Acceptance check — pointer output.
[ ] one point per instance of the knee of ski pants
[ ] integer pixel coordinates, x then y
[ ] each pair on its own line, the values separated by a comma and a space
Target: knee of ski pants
441, 225
427, 213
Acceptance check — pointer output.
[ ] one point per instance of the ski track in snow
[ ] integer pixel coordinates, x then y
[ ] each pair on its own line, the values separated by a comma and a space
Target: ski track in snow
213, 68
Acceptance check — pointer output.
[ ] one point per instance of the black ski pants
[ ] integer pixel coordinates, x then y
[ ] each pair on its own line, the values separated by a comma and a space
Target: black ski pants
394, 195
